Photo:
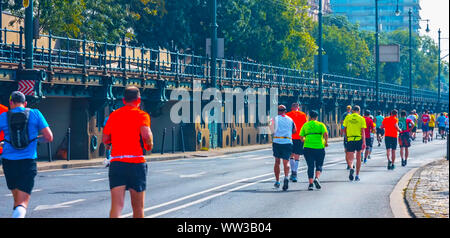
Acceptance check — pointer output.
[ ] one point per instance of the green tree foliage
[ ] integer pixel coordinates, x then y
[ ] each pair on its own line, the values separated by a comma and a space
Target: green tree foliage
347, 50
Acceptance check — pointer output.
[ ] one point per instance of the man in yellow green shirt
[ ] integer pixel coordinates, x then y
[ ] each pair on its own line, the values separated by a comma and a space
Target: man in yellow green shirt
354, 125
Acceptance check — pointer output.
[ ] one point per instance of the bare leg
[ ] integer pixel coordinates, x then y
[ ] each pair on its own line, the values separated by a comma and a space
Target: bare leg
117, 201
137, 203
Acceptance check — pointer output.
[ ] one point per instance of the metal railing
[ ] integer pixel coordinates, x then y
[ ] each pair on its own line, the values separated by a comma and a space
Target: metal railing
54, 51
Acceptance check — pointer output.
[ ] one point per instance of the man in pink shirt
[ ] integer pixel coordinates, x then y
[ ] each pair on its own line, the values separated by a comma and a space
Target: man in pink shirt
368, 130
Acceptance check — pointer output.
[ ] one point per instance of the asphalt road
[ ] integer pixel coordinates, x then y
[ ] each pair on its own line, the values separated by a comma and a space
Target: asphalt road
229, 186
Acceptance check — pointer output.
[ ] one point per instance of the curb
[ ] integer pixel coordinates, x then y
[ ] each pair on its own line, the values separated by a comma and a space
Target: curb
45, 166
397, 197
409, 196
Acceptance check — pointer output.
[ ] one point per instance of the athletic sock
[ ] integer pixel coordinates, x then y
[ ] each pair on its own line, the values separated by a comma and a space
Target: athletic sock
292, 163
296, 162
19, 212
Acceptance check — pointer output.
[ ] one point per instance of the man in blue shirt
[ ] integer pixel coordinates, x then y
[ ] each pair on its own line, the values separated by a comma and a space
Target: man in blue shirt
441, 124
19, 165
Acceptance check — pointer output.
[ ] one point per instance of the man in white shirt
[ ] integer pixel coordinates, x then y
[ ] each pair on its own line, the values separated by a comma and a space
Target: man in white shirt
282, 128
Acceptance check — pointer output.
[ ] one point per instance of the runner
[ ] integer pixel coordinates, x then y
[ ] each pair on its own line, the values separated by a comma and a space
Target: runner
431, 125
380, 131
282, 128
413, 118
299, 119
404, 141
2, 134
128, 168
425, 126
390, 124
315, 136
20, 153
354, 129
441, 125
348, 112
367, 131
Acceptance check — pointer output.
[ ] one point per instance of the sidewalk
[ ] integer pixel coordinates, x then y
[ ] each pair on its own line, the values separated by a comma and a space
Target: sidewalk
427, 192
64, 164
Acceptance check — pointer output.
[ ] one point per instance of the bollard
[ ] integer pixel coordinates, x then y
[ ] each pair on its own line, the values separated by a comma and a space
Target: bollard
49, 146
173, 140
163, 140
182, 139
68, 144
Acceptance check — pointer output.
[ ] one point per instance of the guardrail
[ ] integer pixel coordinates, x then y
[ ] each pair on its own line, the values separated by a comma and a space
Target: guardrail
55, 51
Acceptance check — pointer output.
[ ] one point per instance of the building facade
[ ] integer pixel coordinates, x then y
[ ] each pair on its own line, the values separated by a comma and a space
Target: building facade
314, 8
363, 13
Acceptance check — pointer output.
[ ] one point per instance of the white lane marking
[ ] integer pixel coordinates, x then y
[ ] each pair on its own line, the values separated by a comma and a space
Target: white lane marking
199, 193
97, 180
218, 194
265, 157
60, 205
192, 175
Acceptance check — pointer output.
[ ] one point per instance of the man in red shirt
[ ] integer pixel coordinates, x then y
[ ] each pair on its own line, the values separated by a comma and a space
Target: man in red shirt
2, 135
390, 124
425, 127
368, 130
128, 169
299, 119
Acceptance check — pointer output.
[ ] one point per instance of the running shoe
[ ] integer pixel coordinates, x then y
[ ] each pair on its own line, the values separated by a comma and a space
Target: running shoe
393, 167
368, 157
389, 165
403, 163
311, 187
277, 184
317, 183
348, 167
293, 177
365, 160
351, 174
285, 184
357, 178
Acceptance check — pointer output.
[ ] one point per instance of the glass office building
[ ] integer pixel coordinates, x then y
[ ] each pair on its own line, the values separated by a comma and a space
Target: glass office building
363, 13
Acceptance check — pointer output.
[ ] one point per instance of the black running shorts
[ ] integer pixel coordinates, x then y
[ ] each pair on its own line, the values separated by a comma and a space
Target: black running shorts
380, 131
20, 174
130, 175
391, 142
282, 151
353, 146
297, 147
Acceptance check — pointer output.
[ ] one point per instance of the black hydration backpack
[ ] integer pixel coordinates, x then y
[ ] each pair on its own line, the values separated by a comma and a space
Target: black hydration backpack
18, 129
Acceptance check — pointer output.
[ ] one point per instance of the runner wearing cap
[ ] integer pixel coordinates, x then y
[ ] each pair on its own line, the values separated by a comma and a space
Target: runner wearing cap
282, 128
122, 133
299, 119
20, 153
413, 118
354, 129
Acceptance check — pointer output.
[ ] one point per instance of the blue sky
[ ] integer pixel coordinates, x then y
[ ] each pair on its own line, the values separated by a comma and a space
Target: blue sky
438, 13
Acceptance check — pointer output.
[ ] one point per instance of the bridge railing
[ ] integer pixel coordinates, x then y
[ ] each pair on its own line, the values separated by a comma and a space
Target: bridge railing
55, 51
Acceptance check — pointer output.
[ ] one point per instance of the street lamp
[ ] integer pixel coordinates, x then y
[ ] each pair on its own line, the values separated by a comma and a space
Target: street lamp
319, 58
397, 11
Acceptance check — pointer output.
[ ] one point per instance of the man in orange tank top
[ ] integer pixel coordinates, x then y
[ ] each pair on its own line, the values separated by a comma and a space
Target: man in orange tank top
128, 169
299, 119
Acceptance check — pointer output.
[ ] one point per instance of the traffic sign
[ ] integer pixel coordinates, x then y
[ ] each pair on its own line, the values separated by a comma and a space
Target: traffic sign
26, 87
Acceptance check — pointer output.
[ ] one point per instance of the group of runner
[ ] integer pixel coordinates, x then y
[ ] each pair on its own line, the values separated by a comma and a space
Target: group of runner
294, 135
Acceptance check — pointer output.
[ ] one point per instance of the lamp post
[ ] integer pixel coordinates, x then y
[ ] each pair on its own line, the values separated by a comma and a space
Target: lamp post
377, 58
214, 27
29, 36
319, 58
